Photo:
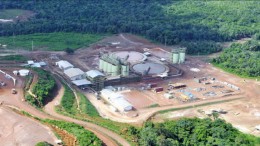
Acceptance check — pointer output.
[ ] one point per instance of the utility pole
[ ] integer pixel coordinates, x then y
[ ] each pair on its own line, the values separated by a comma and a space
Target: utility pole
32, 45
165, 40
14, 43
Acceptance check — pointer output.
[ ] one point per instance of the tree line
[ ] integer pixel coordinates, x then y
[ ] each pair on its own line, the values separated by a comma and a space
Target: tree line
242, 59
192, 132
169, 22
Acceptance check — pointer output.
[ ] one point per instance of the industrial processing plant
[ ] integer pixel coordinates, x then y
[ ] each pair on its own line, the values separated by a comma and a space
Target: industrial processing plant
126, 63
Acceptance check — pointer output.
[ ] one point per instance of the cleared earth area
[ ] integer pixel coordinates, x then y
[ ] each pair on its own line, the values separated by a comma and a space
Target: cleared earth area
19, 130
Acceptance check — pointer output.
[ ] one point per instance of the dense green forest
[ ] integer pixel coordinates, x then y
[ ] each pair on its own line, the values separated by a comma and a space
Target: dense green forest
191, 132
241, 59
171, 22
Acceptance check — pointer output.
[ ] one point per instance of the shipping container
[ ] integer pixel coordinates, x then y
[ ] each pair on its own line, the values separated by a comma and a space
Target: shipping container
152, 85
158, 89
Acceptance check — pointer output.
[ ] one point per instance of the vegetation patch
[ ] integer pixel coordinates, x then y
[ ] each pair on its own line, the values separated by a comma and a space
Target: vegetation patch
84, 137
57, 41
19, 58
193, 131
153, 105
86, 106
241, 59
41, 89
68, 101
44, 143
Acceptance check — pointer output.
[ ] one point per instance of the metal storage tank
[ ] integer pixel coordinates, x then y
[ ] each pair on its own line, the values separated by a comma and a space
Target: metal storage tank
115, 70
125, 70
175, 57
105, 66
101, 64
109, 68
182, 55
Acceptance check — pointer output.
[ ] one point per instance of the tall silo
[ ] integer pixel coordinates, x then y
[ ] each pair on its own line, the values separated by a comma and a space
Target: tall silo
101, 64
125, 70
109, 68
182, 55
175, 56
105, 66
115, 70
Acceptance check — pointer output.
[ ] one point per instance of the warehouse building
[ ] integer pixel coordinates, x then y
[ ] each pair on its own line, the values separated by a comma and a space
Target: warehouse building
75, 74
116, 100
64, 65
96, 78
82, 83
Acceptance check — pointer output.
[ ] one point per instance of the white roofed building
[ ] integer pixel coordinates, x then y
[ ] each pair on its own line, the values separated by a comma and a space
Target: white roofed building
94, 73
64, 65
75, 74
81, 83
116, 100
30, 62
97, 79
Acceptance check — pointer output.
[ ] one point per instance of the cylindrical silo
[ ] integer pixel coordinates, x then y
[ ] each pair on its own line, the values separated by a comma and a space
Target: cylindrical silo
105, 66
101, 64
115, 70
125, 70
182, 56
175, 57
109, 68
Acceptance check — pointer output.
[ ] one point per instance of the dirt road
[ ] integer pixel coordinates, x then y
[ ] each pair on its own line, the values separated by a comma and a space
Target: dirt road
8, 99
105, 135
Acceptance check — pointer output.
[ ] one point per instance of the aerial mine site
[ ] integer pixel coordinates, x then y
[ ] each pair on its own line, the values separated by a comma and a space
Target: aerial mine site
86, 77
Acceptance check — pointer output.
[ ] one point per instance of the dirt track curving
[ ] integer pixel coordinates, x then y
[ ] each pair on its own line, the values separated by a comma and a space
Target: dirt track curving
108, 137
105, 135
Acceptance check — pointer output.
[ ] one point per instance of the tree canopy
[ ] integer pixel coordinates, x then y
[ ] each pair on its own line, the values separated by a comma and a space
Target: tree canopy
242, 59
204, 132
167, 21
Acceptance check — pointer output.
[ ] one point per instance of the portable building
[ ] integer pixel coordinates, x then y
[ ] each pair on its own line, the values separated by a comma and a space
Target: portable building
177, 85
37, 65
75, 74
24, 72
158, 89
30, 62
152, 85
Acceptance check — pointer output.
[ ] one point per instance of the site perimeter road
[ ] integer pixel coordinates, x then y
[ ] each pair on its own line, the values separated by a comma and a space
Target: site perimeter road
104, 134
16, 101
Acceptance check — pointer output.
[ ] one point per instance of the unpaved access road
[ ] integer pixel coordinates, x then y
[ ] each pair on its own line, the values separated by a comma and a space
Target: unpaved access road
16, 129
105, 135
9, 100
